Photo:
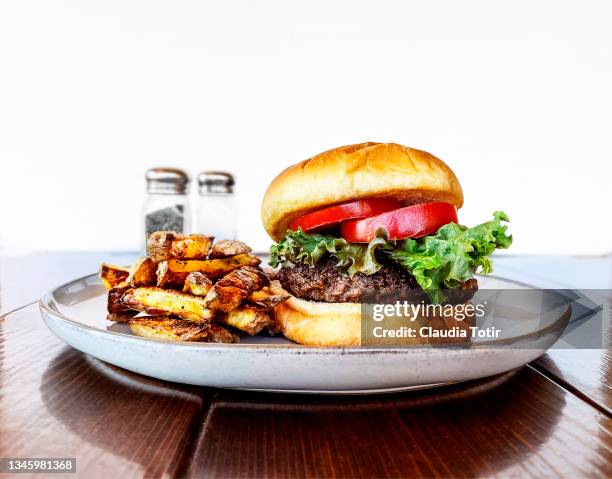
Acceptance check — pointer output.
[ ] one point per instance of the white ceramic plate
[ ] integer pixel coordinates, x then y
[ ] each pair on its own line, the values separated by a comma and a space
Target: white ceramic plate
76, 313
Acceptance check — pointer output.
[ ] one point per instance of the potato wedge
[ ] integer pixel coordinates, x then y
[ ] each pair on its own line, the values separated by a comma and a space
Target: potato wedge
142, 273
165, 245
170, 279
249, 319
192, 247
213, 268
224, 298
274, 327
165, 327
219, 334
114, 305
197, 283
248, 278
112, 275
229, 291
265, 299
173, 273
170, 329
225, 248
123, 317
159, 301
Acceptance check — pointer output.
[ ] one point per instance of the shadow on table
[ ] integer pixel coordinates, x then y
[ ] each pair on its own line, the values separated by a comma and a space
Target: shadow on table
148, 422
470, 429
478, 427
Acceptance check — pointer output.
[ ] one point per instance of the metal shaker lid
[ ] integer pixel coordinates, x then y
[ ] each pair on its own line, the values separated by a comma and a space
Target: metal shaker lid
169, 181
216, 182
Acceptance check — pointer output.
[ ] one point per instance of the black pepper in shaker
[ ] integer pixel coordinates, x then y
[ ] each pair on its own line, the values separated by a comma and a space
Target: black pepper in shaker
166, 207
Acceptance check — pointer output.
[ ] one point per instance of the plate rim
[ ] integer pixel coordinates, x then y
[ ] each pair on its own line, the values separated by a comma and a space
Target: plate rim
46, 300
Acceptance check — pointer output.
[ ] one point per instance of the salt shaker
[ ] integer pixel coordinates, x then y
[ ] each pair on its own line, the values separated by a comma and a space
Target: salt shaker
167, 205
216, 208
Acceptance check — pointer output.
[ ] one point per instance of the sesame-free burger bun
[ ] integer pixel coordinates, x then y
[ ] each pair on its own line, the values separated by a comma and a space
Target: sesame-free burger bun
357, 171
313, 323
317, 324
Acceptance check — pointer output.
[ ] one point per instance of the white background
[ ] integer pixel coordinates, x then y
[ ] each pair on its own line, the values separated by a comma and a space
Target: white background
515, 96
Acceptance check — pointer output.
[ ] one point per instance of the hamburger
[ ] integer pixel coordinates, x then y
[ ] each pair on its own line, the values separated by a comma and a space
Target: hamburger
367, 223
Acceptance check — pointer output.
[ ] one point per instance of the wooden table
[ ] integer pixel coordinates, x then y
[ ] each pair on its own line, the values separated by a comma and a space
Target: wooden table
551, 418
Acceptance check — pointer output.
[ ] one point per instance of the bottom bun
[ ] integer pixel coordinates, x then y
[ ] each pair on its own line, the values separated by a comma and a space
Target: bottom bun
317, 324
339, 324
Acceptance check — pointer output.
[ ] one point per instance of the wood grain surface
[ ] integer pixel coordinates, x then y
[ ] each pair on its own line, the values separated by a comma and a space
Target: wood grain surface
586, 372
521, 424
56, 401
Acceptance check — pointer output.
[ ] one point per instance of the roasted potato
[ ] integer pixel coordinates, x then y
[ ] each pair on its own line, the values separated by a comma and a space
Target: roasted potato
154, 300
213, 268
265, 299
114, 305
123, 317
170, 279
192, 247
229, 291
173, 273
225, 248
142, 273
175, 286
197, 283
249, 319
224, 298
246, 277
112, 275
170, 329
165, 245
218, 334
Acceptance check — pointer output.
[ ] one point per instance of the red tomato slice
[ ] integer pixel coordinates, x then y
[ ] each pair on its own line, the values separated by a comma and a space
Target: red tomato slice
408, 222
346, 211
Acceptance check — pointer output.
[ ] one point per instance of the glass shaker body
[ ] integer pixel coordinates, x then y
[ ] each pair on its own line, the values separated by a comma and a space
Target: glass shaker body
167, 213
217, 216
217, 212
166, 207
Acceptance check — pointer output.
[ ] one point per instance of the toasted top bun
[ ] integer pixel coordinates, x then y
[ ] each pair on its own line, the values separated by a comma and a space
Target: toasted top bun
353, 172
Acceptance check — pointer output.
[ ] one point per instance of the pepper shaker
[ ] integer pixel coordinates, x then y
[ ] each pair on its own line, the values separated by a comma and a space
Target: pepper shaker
216, 208
166, 207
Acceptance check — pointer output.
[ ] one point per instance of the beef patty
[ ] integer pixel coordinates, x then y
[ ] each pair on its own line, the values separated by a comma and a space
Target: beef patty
326, 283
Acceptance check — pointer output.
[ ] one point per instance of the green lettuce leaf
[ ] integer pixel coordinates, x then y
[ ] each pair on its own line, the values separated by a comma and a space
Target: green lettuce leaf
443, 260
300, 247
454, 254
